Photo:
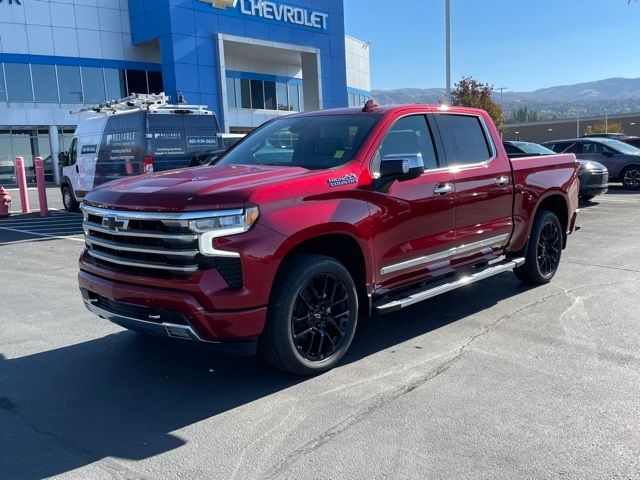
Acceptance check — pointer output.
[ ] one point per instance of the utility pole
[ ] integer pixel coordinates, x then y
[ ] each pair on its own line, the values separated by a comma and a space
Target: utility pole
448, 48
502, 89
578, 126
606, 123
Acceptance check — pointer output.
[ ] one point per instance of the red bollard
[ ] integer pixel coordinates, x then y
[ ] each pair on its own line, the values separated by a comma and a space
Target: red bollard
22, 185
42, 188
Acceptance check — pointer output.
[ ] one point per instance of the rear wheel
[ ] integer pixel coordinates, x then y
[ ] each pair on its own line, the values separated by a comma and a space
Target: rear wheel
631, 178
312, 316
69, 200
544, 250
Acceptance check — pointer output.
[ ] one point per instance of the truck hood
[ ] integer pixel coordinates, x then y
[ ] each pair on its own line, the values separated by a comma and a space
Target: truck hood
192, 189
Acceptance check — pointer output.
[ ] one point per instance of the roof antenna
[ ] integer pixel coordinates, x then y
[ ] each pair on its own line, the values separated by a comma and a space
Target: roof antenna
370, 106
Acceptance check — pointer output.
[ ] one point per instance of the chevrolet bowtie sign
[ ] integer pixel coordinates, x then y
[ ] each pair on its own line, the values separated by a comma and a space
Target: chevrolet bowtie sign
275, 11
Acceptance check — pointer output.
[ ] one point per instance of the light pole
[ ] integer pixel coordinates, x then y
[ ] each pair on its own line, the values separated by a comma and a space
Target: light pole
448, 48
502, 89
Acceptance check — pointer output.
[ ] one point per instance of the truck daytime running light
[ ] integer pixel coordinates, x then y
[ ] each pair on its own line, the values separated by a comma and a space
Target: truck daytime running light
222, 226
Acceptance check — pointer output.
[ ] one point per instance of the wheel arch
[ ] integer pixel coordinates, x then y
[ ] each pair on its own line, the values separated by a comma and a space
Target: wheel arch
556, 203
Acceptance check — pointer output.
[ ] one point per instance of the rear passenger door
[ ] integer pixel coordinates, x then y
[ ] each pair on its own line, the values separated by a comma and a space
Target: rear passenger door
412, 221
483, 186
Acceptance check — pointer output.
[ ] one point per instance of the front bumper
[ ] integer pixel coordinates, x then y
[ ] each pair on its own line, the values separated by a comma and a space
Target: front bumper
167, 313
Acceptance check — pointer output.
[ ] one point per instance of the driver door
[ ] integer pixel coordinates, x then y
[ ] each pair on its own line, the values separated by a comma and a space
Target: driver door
414, 220
597, 152
72, 170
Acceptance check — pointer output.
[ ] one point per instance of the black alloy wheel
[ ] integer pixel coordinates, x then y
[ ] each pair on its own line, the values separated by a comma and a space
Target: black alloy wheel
549, 248
311, 317
321, 317
631, 178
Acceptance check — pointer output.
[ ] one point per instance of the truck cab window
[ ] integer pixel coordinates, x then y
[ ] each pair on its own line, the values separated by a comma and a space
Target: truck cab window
464, 139
409, 135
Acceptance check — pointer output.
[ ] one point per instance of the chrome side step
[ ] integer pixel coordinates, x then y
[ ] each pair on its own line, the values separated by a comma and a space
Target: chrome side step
415, 296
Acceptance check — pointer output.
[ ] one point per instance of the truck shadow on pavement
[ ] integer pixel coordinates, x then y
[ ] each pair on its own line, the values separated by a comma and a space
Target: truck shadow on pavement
123, 396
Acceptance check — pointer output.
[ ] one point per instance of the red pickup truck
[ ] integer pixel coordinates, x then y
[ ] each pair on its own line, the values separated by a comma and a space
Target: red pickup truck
317, 218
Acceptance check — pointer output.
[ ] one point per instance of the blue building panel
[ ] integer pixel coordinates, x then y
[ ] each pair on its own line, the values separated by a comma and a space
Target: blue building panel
187, 29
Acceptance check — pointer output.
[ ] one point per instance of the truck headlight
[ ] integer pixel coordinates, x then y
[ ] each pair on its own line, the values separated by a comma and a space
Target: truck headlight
223, 225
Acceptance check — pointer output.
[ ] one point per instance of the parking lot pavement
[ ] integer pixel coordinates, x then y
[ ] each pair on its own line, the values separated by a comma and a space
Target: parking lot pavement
496, 380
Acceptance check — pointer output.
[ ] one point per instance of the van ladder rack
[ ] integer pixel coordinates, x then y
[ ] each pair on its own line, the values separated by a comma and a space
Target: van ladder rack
140, 101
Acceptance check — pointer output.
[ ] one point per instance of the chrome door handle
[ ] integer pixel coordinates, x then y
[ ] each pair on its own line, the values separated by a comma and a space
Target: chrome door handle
443, 189
501, 180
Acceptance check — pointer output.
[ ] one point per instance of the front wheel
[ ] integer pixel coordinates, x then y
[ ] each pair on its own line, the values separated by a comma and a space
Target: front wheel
631, 178
312, 316
543, 251
69, 200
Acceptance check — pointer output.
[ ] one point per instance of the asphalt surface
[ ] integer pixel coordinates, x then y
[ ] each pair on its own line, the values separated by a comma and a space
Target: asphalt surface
492, 381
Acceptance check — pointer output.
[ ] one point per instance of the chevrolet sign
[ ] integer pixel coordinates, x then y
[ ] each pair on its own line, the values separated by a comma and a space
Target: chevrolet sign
275, 11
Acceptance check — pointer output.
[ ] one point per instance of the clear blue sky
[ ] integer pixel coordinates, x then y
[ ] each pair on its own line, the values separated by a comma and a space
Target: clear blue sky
523, 45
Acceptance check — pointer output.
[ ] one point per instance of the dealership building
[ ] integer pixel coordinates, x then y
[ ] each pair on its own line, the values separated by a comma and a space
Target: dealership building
248, 60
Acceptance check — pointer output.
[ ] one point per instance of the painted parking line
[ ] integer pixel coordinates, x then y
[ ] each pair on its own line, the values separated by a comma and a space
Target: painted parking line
61, 225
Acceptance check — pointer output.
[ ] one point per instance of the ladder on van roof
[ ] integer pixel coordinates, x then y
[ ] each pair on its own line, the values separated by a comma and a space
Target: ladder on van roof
144, 101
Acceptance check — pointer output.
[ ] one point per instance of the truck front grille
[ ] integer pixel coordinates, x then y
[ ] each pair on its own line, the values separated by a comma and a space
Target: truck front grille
151, 244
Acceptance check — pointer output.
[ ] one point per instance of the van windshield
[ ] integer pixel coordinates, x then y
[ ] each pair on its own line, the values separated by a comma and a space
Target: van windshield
312, 142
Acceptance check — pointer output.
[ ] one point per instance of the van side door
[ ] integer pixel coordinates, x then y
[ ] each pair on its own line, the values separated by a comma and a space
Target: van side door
483, 187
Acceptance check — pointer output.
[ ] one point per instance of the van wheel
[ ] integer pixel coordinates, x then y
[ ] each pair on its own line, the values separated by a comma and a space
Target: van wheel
312, 316
544, 250
68, 200
631, 178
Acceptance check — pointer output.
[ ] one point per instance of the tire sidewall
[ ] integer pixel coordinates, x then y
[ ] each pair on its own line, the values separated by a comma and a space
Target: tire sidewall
73, 204
327, 266
544, 219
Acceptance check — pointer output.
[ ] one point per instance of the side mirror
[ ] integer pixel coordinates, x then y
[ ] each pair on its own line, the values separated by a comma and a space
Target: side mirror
399, 167
63, 159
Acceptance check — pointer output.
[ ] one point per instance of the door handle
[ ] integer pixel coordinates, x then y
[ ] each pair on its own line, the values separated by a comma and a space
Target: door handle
77, 169
501, 181
443, 189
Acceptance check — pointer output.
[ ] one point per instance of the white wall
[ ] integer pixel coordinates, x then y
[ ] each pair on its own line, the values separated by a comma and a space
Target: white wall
358, 64
71, 28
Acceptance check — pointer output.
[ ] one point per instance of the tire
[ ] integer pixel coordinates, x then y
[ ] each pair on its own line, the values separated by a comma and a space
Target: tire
69, 200
544, 250
311, 317
630, 177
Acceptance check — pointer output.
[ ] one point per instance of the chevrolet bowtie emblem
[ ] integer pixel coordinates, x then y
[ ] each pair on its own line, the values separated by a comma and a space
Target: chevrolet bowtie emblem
221, 3
115, 225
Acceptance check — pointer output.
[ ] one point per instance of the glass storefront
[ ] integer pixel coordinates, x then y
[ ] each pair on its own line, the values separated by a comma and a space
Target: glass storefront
28, 143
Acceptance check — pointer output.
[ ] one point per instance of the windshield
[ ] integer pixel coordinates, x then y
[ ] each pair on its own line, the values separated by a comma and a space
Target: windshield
621, 147
323, 141
533, 148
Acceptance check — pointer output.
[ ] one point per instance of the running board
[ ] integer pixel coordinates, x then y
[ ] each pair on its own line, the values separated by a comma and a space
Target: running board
415, 296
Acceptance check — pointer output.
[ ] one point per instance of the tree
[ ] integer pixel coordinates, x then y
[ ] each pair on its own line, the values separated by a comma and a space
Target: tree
602, 127
471, 93
523, 115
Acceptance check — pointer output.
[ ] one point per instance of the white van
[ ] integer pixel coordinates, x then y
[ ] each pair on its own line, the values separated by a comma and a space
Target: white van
134, 136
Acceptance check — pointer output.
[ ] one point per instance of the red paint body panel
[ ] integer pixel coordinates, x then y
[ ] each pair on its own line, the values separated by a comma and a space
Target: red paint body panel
297, 205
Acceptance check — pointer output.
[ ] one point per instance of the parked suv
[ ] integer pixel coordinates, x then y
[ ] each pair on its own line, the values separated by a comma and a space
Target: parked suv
621, 159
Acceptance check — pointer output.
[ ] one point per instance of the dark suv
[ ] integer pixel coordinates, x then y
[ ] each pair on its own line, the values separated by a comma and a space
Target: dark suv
621, 159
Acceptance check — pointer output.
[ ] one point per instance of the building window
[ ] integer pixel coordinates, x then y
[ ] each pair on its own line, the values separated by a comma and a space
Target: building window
156, 83
294, 97
257, 95
136, 82
115, 83
282, 96
18, 82
245, 93
93, 85
45, 83
69, 84
231, 93
3, 90
270, 96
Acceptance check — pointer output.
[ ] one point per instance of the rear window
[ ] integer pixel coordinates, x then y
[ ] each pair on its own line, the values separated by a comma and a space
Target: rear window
464, 139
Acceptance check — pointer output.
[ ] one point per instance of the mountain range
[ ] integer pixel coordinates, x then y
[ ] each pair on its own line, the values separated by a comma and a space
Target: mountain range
609, 96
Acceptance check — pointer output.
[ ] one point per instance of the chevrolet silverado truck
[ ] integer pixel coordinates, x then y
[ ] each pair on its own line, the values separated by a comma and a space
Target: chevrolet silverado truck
317, 219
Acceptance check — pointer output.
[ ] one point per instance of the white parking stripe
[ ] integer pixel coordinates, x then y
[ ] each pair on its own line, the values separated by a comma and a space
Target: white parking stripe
44, 235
